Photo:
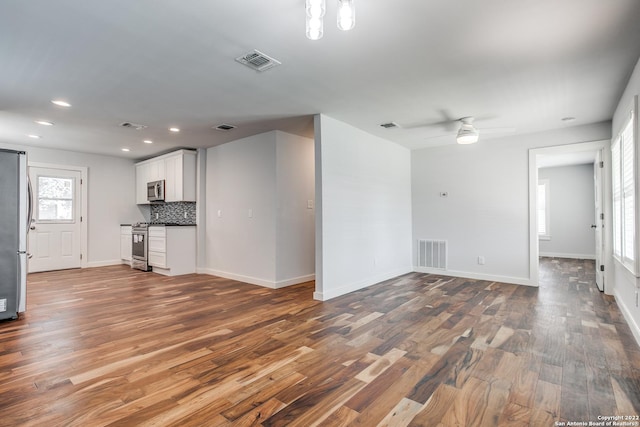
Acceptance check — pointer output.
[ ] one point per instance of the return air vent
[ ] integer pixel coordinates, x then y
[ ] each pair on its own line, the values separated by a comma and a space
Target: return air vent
257, 61
389, 125
224, 127
135, 126
432, 254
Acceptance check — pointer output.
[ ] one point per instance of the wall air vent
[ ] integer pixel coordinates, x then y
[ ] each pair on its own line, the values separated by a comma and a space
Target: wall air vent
389, 125
257, 61
432, 254
135, 126
224, 127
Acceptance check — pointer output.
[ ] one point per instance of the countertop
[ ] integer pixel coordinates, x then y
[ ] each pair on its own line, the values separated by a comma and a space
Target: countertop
162, 224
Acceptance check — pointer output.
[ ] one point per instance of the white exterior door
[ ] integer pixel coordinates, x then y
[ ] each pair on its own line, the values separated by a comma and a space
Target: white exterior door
599, 222
55, 234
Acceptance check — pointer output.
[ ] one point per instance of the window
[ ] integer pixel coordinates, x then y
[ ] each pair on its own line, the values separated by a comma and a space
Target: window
544, 231
624, 206
55, 199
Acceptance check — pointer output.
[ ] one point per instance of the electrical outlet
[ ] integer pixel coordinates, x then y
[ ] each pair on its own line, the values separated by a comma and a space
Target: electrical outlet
185, 215
219, 213
480, 260
309, 204
250, 213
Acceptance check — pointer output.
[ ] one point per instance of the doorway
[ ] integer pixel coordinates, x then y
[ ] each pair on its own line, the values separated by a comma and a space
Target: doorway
590, 222
57, 235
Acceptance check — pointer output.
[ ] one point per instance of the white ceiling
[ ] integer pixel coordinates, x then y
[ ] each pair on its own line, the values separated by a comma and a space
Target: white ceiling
519, 63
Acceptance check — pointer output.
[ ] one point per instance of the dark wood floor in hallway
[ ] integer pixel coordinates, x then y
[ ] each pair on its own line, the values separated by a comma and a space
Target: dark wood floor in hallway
113, 346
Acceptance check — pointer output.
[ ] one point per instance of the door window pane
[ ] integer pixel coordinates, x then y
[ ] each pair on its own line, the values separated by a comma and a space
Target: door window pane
55, 199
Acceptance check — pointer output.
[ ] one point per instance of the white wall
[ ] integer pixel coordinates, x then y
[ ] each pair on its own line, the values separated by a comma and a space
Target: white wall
260, 185
572, 211
625, 284
295, 227
241, 178
363, 217
487, 210
111, 197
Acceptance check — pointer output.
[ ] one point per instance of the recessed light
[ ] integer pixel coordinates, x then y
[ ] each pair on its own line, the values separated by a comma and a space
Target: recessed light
175, 130
34, 136
126, 150
568, 119
60, 103
148, 141
44, 123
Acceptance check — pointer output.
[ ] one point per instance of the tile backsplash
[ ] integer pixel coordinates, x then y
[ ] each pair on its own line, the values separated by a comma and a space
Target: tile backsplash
173, 212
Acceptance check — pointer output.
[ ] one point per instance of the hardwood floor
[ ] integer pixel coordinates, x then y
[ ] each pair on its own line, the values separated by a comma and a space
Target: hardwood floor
118, 347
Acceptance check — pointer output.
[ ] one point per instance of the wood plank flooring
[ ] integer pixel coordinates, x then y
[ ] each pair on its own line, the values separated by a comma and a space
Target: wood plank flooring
113, 346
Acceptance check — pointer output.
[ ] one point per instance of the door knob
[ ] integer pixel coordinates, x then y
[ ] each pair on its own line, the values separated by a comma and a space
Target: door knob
594, 226
33, 227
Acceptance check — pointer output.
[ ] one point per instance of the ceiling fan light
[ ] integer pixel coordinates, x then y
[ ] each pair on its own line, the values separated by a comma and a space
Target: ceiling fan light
467, 135
346, 15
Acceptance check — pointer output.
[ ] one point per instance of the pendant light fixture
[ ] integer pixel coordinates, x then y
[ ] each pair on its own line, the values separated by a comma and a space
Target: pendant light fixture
346, 15
315, 14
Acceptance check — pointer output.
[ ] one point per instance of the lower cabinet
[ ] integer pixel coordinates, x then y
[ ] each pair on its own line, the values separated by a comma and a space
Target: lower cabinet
172, 249
125, 244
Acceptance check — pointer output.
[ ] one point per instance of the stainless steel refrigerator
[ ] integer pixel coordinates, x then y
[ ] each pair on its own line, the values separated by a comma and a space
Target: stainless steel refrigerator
15, 211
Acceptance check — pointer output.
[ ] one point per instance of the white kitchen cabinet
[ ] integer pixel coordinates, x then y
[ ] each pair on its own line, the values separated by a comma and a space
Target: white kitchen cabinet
125, 244
172, 249
180, 170
142, 173
177, 169
156, 171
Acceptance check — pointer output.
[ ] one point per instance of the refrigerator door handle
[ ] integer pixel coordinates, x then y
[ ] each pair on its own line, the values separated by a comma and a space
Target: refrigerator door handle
29, 203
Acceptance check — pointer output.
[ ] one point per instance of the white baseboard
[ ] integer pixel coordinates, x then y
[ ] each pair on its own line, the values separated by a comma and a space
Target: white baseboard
477, 276
563, 255
336, 292
107, 263
295, 281
257, 281
633, 325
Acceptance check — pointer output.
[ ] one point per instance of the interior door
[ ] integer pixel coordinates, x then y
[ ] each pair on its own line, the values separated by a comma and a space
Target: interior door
599, 220
55, 234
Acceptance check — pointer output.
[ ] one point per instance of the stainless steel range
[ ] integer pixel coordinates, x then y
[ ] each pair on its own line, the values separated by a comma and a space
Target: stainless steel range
139, 249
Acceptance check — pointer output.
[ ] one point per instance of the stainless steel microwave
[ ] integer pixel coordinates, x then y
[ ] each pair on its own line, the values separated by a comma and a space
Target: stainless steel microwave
155, 191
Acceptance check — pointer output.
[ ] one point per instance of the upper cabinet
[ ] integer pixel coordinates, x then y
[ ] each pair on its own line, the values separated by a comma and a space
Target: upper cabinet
177, 169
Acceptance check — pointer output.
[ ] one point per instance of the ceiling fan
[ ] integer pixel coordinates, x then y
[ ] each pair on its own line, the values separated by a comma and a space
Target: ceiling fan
467, 133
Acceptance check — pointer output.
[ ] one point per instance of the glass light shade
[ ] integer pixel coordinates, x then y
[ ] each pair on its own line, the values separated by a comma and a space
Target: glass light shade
315, 8
467, 135
346, 15
314, 28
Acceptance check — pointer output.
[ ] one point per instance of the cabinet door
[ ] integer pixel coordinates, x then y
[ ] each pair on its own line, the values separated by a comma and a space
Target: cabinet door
157, 259
173, 183
142, 174
157, 244
156, 170
125, 247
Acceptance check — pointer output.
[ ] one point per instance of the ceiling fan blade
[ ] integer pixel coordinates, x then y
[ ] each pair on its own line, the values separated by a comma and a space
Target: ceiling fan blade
488, 131
446, 135
423, 124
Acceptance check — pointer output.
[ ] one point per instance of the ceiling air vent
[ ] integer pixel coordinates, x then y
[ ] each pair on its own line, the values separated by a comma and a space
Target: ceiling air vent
258, 61
389, 125
224, 127
133, 126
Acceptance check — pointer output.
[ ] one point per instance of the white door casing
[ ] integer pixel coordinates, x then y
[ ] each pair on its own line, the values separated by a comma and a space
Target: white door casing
57, 236
599, 218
